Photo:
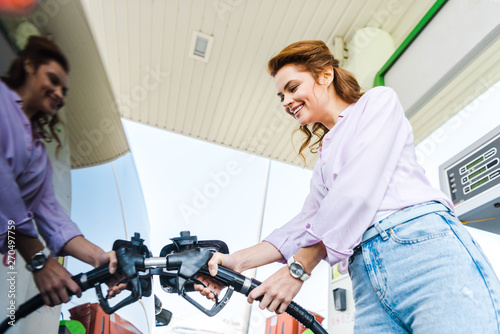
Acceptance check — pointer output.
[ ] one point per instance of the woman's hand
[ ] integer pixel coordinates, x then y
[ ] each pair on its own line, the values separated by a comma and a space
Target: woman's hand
248, 258
277, 291
219, 259
54, 281
213, 288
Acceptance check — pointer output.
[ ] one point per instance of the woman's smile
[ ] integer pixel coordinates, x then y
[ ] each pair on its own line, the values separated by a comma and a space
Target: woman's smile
295, 111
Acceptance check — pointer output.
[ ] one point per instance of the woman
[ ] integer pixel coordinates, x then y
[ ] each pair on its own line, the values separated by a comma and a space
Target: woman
414, 267
31, 93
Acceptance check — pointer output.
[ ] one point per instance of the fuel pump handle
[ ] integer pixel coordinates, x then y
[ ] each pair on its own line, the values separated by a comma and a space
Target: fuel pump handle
245, 285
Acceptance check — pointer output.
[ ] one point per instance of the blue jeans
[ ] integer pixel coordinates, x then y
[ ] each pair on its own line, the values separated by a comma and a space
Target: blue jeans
426, 275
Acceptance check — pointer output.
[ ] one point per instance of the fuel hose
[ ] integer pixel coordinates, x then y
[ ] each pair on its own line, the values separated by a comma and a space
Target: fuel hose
245, 285
85, 281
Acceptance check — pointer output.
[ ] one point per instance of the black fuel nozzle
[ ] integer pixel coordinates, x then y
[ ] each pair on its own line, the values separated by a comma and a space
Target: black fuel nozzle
188, 265
130, 255
137, 241
185, 241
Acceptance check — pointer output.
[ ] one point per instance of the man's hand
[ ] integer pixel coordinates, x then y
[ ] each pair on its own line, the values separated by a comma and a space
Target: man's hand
54, 281
92, 254
113, 287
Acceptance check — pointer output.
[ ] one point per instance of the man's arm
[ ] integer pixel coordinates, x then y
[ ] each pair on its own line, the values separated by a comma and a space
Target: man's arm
53, 280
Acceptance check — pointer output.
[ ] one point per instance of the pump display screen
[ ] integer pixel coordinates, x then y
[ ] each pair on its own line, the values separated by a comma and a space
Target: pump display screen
477, 184
476, 173
475, 162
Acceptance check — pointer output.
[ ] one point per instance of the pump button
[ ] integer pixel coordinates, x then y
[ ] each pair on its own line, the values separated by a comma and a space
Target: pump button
490, 153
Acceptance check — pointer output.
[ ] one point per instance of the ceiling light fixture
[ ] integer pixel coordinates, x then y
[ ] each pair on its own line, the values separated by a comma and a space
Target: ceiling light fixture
201, 46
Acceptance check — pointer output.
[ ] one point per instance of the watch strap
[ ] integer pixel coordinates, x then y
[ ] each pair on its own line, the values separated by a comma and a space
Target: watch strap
45, 252
304, 276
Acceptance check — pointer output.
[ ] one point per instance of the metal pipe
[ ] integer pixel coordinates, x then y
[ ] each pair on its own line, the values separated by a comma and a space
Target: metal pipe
155, 262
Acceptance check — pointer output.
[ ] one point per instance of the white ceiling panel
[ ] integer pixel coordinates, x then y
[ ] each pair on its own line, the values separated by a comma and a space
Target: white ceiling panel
230, 100
145, 74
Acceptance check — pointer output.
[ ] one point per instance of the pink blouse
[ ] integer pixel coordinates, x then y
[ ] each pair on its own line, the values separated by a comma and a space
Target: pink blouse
366, 167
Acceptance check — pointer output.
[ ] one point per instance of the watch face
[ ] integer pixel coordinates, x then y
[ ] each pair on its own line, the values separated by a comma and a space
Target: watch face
38, 261
296, 270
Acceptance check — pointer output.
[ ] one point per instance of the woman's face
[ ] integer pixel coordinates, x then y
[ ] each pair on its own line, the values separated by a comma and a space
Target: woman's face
302, 97
46, 88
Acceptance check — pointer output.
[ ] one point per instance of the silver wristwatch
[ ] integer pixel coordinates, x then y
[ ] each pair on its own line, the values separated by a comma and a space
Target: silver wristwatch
38, 260
297, 270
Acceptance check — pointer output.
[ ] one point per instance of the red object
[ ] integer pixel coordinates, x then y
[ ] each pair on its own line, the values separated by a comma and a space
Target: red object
96, 321
18, 7
286, 324
9, 259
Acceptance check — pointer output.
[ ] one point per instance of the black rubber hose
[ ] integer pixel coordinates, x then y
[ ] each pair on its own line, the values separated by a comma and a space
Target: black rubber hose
84, 281
26, 308
232, 278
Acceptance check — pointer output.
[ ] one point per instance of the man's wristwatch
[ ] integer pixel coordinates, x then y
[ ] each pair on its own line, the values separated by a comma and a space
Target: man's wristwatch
38, 260
297, 270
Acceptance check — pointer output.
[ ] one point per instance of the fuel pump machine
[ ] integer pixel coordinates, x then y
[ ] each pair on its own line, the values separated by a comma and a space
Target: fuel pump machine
472, 180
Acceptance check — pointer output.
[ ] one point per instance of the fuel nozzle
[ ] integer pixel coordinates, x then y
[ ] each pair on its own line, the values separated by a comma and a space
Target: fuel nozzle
185, 241
136, 240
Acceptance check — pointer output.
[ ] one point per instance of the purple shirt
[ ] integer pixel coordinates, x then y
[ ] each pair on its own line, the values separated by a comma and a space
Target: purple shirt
26, 190
367, 166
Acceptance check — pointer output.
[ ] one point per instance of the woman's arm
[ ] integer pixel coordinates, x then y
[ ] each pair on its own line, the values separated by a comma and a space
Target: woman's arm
265, 253
248, 258
310, 256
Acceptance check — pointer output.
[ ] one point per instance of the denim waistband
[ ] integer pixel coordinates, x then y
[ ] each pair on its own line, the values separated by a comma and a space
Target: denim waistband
400, 217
